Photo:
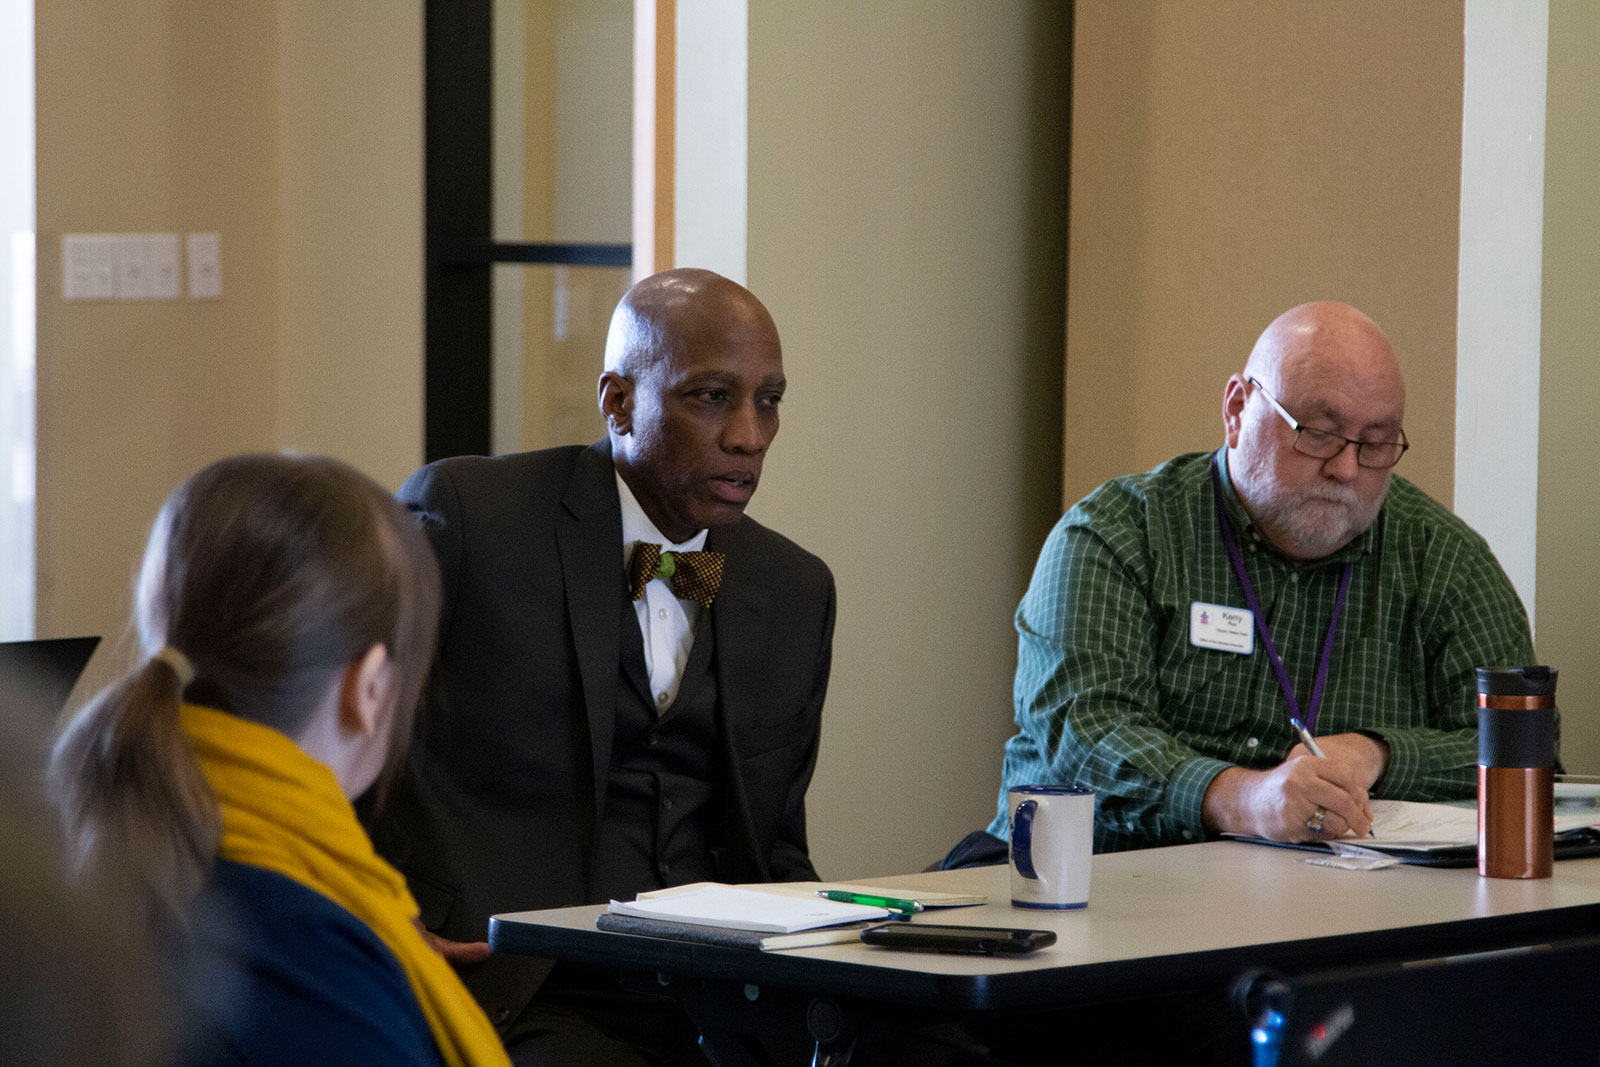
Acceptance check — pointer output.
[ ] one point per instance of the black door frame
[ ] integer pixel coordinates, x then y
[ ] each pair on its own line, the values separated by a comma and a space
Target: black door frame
459, 248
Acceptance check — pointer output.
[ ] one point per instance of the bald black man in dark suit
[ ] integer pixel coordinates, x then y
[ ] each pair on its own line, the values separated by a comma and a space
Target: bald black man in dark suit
581, 744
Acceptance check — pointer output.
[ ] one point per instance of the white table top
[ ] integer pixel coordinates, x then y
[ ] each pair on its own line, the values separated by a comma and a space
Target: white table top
1165, 910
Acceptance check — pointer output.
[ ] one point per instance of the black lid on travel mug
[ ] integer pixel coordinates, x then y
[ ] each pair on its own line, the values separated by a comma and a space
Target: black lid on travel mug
1517, 719
1517, 681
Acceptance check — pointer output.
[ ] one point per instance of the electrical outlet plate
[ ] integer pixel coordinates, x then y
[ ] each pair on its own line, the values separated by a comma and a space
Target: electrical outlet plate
138, 266
133, 267
161, 254
88, 266
205, 266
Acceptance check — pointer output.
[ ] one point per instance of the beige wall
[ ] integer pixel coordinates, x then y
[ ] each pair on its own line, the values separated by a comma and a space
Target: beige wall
905, 194
1231, 160
347, 216
293, 129
152, 116
1569, 380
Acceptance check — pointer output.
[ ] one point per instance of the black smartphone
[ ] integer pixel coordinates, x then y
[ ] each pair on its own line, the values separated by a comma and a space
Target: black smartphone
971, 940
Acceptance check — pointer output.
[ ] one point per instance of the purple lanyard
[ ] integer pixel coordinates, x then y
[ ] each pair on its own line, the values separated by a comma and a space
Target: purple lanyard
1236, 558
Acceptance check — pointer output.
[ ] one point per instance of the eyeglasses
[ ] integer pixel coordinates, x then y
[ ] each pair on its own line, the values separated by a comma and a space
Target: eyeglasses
1325, 444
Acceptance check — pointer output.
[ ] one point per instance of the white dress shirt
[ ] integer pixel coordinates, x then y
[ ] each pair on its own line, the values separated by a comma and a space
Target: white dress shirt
666, 623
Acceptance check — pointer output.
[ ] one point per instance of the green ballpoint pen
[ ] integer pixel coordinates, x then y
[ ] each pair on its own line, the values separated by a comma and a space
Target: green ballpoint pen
843, 896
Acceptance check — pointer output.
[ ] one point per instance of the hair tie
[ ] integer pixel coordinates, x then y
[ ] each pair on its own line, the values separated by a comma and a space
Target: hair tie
179, 663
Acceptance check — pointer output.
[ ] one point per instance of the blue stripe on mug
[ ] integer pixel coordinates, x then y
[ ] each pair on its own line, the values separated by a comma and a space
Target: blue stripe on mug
1022, 838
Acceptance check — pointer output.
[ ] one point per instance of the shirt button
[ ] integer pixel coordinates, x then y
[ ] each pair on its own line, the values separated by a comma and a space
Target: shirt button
666, 803
661, 613
1294, 576
500, 1016
662, 698
664, 870
1253, 742
1188, 836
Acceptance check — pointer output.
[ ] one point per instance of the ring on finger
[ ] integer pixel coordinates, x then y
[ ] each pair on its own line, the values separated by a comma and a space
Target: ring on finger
1315, 819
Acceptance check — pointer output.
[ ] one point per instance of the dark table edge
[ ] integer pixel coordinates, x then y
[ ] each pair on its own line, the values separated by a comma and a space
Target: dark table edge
1083, 983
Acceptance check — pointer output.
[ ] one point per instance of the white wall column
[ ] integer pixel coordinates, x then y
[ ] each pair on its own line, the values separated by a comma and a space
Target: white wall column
710, 201
1499, 294
690, 142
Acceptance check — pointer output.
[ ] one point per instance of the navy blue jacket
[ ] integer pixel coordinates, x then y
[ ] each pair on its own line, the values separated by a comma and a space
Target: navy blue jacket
274, 973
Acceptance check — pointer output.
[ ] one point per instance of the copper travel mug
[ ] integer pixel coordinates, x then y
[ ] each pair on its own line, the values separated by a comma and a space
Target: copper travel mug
1517, 727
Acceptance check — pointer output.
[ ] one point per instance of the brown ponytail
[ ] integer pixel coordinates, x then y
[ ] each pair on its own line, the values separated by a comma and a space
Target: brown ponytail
132, 798
271, 575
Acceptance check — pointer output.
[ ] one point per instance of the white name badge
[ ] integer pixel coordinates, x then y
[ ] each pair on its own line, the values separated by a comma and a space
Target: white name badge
1223, 628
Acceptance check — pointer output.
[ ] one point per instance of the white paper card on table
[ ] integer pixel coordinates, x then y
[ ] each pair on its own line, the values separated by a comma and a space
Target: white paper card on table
1354, 858
747, 909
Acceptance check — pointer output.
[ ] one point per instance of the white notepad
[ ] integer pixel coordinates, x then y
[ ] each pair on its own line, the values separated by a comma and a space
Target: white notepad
747, 909
928, 898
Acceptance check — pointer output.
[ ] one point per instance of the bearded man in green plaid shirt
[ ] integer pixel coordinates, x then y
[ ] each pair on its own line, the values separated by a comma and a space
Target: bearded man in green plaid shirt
1143, 673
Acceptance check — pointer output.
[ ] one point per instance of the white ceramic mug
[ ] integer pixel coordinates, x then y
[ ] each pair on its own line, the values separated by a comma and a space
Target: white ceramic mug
1052, 841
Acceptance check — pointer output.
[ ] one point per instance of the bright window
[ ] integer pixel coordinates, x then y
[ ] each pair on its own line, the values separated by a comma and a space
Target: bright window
17, 325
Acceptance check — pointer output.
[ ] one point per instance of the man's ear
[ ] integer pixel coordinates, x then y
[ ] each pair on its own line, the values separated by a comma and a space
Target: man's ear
367, 692
616, 402
1234, 394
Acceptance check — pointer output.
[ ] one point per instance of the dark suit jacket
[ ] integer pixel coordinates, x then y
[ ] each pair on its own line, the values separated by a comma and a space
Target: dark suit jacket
497, 808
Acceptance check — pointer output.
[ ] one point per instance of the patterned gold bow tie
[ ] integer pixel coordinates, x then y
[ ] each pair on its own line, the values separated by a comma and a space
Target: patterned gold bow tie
694, 575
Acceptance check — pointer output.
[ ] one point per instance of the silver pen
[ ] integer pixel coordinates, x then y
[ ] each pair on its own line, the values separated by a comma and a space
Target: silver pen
1305, 735
1316, 750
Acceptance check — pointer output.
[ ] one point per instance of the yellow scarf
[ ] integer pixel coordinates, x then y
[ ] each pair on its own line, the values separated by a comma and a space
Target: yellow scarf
284, 811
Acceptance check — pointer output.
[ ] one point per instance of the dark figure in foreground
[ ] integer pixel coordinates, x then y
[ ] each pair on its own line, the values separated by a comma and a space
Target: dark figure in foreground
286, 610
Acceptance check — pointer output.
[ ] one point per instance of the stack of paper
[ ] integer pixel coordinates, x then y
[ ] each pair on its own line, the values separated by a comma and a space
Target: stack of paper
1441, 835
725, 937
1404, 824
928, 898
746, 909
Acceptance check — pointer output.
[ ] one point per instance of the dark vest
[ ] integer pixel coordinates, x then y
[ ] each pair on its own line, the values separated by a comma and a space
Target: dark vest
664, 793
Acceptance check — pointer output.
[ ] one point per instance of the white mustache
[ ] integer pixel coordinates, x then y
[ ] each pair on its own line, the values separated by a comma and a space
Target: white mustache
1333, 494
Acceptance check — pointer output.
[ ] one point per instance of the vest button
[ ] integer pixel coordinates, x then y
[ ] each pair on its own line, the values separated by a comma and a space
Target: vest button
666, 803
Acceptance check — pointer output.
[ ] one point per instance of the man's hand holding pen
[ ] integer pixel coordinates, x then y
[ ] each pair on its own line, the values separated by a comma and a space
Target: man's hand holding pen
1281, 803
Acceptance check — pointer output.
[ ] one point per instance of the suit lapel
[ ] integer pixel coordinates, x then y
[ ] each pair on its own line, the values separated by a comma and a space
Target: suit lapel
736, 615
735, 619
590, 544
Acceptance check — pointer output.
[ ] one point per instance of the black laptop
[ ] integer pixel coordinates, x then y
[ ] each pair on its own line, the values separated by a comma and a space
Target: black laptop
36, 677
1534, 1005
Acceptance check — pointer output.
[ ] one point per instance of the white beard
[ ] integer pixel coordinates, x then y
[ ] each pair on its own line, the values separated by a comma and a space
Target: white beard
1311, 521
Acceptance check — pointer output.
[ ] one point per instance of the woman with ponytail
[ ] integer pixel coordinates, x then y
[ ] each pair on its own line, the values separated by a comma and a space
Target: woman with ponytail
286, 607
